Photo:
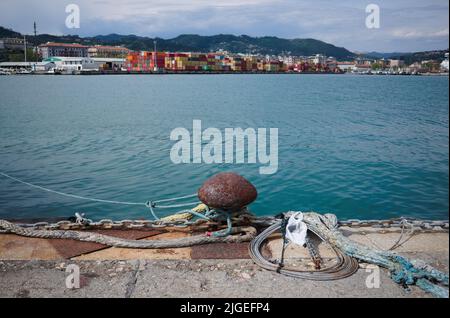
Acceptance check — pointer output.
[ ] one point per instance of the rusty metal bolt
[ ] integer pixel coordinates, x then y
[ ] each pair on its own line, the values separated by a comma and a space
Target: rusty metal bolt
227, 191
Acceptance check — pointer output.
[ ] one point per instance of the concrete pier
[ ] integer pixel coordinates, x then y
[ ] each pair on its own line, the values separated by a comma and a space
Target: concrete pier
36, 268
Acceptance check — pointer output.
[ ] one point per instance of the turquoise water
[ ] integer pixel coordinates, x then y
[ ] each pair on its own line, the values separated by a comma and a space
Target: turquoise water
357, 146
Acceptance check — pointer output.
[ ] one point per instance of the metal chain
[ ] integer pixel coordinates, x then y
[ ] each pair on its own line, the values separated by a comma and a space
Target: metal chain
244, 218
398, 223
105, 224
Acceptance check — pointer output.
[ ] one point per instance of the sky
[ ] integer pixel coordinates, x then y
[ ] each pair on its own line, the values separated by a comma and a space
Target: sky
405, 25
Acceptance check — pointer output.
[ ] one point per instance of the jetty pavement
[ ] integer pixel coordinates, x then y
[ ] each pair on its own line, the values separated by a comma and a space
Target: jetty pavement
37, 268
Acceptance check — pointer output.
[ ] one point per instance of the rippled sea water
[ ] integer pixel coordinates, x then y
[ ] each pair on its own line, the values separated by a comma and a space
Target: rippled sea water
357, 146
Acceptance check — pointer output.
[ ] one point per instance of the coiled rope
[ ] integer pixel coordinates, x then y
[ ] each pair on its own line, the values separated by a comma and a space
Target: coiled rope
344, 267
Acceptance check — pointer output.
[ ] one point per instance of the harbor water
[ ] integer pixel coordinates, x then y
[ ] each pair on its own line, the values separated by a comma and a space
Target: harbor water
358, 146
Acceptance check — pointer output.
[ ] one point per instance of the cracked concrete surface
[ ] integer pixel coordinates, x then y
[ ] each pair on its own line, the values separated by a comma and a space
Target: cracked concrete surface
183, 279
133, 280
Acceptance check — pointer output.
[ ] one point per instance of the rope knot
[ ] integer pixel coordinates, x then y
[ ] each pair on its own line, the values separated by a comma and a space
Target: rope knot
80, 219
150, 204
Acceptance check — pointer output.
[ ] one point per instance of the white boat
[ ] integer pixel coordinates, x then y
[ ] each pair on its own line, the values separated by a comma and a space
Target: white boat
23, 72
4, 72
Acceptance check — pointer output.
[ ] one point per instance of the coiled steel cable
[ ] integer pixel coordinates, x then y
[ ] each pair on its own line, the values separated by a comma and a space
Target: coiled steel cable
345, 266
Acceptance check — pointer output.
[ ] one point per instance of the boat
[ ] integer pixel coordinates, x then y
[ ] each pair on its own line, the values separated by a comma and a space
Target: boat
24, 72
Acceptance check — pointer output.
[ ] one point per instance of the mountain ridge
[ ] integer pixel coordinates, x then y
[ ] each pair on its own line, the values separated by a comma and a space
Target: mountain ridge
271, 45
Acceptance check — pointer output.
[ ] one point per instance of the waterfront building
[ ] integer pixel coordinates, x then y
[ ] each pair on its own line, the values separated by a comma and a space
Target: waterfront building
66, 65
381, 63
51, 49
109, 64
416, 67
273, 66
363, 61
346, 66
69, 65
297, 67
288, 60
260, 65
101, 51
431, 66
396, 63
444, 64
13, 44
331, 63
362, 69
319, 59
43, 67
251, 63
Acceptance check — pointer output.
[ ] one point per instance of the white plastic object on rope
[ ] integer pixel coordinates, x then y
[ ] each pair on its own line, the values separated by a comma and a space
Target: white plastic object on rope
81, 219
296, 229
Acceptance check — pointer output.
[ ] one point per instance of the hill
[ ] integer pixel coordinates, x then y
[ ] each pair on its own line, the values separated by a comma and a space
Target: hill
438, 55
197, 43
8, 33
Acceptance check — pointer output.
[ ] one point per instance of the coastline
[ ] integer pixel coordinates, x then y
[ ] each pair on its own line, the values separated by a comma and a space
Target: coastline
92, 73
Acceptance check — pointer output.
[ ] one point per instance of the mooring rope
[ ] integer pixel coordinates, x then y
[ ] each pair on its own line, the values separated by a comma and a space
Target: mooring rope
237, 235
399, 241
403, 271
149, 204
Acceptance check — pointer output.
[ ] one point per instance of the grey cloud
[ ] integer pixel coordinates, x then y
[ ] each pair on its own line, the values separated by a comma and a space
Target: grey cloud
406, 25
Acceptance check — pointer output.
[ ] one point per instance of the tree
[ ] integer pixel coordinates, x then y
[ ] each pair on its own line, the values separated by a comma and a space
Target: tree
376, 66
19, 56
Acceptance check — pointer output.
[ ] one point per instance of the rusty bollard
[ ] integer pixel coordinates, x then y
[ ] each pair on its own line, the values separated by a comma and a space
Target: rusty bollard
227, 192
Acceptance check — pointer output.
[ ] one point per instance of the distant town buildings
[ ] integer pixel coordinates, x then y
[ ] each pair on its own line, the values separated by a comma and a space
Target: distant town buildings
13, 44
393, 66
70, 58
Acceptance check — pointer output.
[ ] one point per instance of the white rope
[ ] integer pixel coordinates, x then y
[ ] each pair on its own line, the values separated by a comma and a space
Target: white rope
176, 199
101, 200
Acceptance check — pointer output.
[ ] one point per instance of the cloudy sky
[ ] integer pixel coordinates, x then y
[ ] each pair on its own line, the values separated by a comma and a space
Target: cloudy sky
406, 25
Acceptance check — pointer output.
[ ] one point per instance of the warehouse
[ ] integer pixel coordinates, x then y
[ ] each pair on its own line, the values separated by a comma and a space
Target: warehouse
109, 64
72, 65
